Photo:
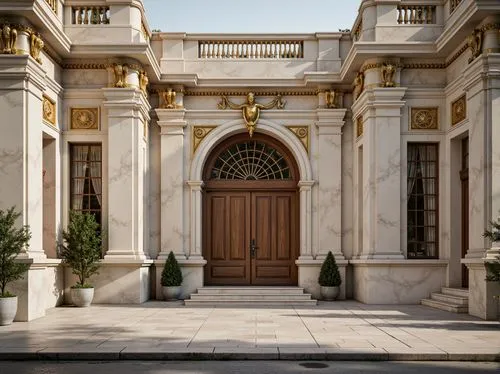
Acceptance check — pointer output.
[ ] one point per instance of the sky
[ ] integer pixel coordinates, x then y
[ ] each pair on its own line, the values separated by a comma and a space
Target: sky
251, 16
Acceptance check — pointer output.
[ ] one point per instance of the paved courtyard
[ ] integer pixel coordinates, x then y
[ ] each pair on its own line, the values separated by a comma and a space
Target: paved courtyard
169, 330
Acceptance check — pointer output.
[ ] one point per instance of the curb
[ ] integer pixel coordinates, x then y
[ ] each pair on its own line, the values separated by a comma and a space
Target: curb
214, 354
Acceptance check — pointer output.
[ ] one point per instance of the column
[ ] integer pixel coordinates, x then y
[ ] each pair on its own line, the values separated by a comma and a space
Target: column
305, 190
22, 82
172, 124
127, 109
330, 124
382, 175
196, 219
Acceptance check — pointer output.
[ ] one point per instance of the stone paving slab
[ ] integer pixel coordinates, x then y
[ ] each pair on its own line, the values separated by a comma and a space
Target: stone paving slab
343, 330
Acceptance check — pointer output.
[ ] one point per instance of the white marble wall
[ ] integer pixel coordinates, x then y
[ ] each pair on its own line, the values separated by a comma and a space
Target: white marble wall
397, 282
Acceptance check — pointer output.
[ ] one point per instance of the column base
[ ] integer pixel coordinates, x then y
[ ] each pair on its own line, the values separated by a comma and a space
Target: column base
309, 272
483, 294
118, 282
397, 281
179, 256
40, 289
192, 274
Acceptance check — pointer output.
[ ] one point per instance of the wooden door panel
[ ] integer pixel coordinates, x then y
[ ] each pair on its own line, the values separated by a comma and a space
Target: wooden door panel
226, 237
273, 216
261, 219
283, 227
238, 223
218, 231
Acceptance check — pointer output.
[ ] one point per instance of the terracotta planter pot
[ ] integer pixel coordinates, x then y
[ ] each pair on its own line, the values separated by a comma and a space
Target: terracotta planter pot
8, 310
171, 293
82, 297
329, 293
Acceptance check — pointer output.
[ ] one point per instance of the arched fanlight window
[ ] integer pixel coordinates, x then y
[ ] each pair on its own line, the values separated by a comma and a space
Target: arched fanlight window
250, 160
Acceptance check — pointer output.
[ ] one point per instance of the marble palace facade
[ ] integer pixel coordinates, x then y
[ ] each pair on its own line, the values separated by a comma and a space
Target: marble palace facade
380, 144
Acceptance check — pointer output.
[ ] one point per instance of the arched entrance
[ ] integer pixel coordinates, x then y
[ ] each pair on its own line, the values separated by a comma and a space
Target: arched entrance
250, 213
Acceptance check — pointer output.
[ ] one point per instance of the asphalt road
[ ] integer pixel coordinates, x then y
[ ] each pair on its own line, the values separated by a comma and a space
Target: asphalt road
246, 367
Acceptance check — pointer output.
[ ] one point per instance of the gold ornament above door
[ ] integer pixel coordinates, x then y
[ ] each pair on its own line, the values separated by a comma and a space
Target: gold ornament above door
250, 109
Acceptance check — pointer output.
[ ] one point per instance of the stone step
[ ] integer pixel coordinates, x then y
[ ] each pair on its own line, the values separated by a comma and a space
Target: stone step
212, 290
249, 302
456, 300
245, 297
460, 292
445, 306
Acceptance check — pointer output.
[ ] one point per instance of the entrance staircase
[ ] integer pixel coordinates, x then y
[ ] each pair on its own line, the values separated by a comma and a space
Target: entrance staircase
245, 296
455, 300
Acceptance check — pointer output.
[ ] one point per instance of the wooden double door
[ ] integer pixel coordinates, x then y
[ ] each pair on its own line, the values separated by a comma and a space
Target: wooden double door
251, 238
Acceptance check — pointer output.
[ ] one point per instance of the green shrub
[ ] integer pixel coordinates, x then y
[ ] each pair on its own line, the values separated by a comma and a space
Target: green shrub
171, 276
329, 275
12, 241
82, 251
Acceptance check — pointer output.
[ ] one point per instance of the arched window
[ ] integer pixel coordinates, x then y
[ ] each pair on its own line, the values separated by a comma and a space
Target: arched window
250, 160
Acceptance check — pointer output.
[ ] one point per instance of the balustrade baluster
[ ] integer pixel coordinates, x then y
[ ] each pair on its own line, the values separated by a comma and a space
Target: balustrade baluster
405, 19
400, 15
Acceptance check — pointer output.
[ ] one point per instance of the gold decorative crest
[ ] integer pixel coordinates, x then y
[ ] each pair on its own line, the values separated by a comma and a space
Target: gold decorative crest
84, 118
424, 119
359, 126
199, 133
458, 110
302, 133
49, 110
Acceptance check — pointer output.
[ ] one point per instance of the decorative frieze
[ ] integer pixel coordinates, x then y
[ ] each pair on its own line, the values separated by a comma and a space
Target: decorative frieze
85, 118
302, 133
359, 126
458, 110
424, 119
256, 92
199, 133
49, 110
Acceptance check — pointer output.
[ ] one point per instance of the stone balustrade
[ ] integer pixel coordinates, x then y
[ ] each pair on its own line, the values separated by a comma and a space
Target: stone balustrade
52, 4
90, 15
416, 14
251, 49
454, 4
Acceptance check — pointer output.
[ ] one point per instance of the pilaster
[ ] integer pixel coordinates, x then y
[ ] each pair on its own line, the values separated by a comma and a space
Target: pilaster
127, 109
172, 126
330, 124
22, 82
381, 172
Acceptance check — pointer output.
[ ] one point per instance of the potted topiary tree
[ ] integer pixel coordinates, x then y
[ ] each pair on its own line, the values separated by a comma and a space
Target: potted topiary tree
171, 278
329, 278
12, 241
82, 252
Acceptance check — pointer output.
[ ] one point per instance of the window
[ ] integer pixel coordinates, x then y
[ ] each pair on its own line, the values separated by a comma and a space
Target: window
422, 200
86, 179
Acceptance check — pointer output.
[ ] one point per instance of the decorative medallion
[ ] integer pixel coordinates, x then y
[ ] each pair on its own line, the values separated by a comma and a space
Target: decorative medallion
199, 133
458, 110
84, 118
424, 119
359, 126
302, 133
49, 110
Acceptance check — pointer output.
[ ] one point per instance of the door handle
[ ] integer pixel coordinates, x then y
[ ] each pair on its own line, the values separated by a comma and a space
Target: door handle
253, 248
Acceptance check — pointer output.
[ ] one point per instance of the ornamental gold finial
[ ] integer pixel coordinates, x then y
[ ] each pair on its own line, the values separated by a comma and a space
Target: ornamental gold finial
8, 39
387, 73
143, 82
250, 109
120, 71
36, 46
359, 82
475, 44
331, 99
